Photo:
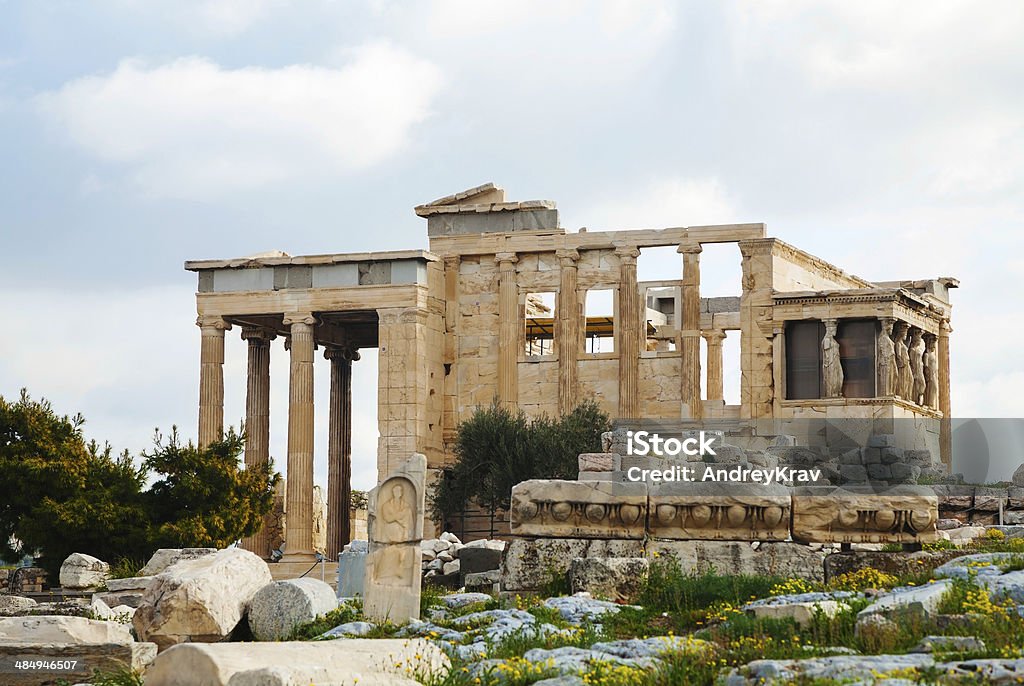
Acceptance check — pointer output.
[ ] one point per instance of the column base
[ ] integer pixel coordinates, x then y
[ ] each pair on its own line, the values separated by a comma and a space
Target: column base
299, 557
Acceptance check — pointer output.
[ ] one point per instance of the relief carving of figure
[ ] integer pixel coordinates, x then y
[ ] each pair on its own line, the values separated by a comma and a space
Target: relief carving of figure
830, 364
886, 361
917, 364
931, 371
396, 526
904, 376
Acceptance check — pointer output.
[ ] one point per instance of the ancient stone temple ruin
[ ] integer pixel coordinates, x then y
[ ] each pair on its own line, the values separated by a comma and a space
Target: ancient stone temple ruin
496, 308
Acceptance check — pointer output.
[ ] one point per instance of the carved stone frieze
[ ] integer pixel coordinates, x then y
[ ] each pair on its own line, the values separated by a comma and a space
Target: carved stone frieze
900, 515
579, 509
719, 511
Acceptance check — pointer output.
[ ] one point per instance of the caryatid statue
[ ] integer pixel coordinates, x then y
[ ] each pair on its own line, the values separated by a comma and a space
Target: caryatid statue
931, 371
917, 364
904, 375
886, 360
830, 364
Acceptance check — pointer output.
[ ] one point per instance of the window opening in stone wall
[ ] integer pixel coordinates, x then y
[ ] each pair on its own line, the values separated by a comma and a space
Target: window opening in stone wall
540, 324
803, 360
599, 309
661, 310
857, 340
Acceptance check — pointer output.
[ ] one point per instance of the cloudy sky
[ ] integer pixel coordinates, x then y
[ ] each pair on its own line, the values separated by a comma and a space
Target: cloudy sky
885, 137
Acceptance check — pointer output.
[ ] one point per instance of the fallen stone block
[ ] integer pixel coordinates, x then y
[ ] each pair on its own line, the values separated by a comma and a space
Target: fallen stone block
279, 607
921, 602
81, 571
802, 608
62, 629
201, 599
73, 662
785, 558
474, 560
616, 578
904, 514
530, 564
15, 605
599, 462
719, 511
579, 509
165, 557
342, 661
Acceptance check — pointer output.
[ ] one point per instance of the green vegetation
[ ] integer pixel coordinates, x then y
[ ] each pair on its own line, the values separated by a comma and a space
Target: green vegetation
62, 494
497, 448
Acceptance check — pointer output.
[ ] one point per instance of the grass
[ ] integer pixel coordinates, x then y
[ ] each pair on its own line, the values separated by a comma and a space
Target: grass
126, 568
118, 677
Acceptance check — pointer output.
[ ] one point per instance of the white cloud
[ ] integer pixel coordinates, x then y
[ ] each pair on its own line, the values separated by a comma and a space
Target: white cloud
191, 128
670, 201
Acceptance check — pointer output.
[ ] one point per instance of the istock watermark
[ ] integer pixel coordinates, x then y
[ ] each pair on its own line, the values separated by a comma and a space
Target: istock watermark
731, 475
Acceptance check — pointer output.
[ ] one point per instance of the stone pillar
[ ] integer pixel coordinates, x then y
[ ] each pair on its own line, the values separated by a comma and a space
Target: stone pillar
690, 330
945, 431
339, 449
716, 383
886, 381
211, 379
508, 328
630, 331
904, 375
299, 503
831, 367
257, 419
567, 332
931, 371
917, 364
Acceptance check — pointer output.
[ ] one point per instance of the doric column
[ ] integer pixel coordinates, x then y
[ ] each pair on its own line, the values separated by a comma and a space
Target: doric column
689, 330
567, 337
629, 328
715, 385
211, 379
886, 382
831, 367
508, 328
257, 418
299, 503
945, 430
339, 449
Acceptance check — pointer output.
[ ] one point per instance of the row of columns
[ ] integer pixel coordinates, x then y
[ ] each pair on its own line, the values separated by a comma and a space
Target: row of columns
301, 345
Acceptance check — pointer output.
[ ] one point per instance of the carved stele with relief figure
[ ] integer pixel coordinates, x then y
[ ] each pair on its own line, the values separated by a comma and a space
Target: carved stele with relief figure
395, 527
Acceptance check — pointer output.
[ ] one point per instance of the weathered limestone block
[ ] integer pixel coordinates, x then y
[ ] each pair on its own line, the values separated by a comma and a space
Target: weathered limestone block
801, 608
723, 511
530, 563
83, 571
86, 657
15, 604
904, 514
579, 509
615, 578
479, 559
165, 557
739, 557
283, 605
61, 629
916, 601
202, 599
599, 462
1018, 476
393, 573
135, 583
340, 661
896, 564
351, 573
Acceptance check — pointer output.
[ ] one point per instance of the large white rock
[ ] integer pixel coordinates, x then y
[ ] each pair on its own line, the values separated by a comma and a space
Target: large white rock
62, 629
202, 599
283, 605
83, 571
165, 557
328, 663
15, 604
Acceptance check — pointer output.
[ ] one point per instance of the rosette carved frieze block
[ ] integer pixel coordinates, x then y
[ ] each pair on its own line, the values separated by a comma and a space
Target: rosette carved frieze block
579, 509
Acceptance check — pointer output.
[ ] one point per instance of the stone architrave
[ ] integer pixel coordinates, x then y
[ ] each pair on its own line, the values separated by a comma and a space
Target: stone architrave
904, 514
904, 375
886, 360
931, 371
916, 352
579, 509
395, 526
719, 511
832, 370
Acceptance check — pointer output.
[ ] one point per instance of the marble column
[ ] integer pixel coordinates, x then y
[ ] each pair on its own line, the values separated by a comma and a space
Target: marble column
299, 502
715, 383
831, 367
257, 419
630, 332
690, 331
509, 326
339, 449
886, 381
567, 331
211, 379
946, 429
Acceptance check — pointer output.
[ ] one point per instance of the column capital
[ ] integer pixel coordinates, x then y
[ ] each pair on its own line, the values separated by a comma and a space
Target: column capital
208, 321
306, 318
345, 353
568, 256
944, 328
714, 336
503, 258
690, 248
452, 261
831, 324
258, 333
627, 253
